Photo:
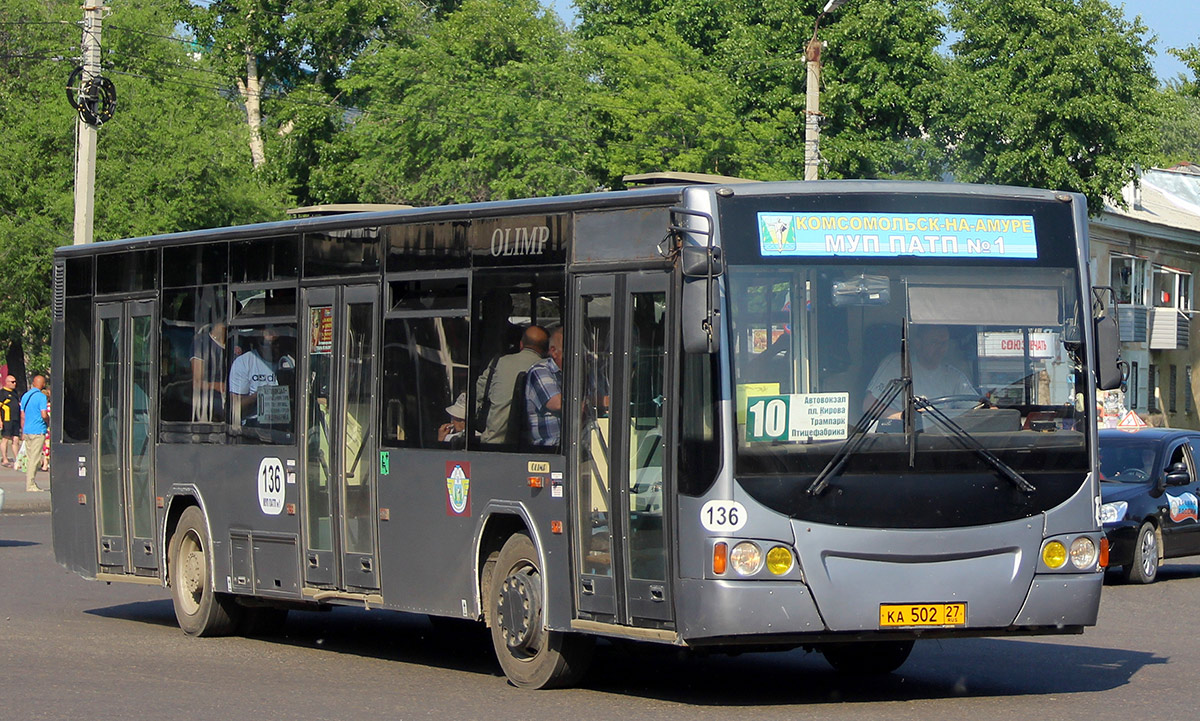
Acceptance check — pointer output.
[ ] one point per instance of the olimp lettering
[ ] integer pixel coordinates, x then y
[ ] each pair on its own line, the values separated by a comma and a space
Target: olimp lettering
520, 241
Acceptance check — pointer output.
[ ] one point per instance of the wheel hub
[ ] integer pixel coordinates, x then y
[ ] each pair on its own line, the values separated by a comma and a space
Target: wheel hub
520, 610
193, 572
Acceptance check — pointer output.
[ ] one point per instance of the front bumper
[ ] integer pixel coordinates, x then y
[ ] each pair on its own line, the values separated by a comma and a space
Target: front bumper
1122, 540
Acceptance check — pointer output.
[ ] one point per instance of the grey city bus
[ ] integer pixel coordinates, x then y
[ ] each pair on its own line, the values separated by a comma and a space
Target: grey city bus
837, 415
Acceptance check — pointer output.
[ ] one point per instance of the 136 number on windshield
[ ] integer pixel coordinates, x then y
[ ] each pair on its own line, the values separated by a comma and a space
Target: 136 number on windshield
723, 516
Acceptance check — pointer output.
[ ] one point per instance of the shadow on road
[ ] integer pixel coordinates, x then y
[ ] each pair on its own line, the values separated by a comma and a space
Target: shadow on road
159, 613
1166, 573
8, 543
953, 668
947, 668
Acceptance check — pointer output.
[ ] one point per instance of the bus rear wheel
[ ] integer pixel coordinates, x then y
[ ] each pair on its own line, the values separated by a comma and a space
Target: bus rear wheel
200, 610
530, 655
867, 657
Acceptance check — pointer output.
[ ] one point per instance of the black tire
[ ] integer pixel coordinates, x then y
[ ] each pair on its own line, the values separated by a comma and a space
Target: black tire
200, 610
1144, 566
867, 657
530, 655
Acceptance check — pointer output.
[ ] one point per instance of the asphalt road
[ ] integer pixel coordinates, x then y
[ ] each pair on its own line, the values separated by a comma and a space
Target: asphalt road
71, 648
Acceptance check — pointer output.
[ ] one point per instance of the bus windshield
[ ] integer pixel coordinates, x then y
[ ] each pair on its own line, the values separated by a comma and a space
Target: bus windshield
990, 365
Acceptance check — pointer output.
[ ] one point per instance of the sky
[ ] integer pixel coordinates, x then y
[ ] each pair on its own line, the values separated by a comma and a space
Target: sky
1175, 22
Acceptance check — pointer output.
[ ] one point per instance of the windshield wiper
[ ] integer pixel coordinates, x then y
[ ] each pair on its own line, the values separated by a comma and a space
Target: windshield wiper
969, 441
851, 445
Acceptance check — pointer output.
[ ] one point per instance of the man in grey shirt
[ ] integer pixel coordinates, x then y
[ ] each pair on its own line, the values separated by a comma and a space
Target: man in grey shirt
498, 378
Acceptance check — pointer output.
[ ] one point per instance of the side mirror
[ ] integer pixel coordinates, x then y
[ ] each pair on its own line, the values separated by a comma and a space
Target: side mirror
698, 261
1177, 475
1106, 352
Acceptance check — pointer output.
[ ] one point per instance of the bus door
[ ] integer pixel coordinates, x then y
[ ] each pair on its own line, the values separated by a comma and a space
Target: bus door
338, 445
126, 398
618, 439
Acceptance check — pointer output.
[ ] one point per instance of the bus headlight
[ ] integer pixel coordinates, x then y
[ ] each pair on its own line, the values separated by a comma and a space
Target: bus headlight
1113, 512
779, 560
1083, 552
1054, 554
746, 558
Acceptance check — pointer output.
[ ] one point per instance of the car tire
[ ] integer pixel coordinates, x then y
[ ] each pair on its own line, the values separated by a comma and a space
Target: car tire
1144, 566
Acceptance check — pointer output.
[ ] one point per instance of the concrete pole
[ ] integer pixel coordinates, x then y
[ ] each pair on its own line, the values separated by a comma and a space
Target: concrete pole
812, 108
85, 149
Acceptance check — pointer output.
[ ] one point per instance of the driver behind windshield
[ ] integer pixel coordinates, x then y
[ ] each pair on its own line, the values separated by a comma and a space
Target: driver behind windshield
932, 377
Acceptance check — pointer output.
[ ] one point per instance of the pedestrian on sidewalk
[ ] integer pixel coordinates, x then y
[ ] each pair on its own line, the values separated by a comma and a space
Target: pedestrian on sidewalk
10, 422
35, 411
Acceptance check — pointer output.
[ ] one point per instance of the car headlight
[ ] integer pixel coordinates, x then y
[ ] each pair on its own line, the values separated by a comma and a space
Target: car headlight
746, 558
1083, 552
1113, 512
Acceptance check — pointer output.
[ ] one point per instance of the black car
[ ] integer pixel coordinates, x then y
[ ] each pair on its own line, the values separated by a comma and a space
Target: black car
1150, 496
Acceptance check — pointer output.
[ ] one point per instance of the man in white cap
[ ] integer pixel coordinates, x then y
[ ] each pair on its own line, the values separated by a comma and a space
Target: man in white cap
454, 432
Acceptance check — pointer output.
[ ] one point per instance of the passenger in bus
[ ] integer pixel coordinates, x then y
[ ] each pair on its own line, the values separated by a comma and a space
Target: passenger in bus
208, 374
543, 395
932, 376
454, 433
251, 371
494, 388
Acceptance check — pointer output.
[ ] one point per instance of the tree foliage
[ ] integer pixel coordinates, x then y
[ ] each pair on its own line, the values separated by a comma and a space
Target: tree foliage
170, 159
484, 106
1048, 93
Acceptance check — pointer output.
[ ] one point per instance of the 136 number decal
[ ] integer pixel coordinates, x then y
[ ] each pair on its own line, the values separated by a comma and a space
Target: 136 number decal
723, 516
270, 486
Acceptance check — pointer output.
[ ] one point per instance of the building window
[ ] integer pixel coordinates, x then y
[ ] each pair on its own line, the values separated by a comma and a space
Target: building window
1171, 385
1127, 276
1151, 394
1131, 394
1172, 288
1187, 390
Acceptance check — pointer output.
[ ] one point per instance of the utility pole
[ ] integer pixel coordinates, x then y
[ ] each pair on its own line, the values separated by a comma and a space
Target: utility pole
812, 107
812, 96
85, 148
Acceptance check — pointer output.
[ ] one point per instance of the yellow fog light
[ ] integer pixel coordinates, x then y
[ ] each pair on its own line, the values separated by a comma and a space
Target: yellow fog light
746, 558
1054, 554
779, 560
1083, 552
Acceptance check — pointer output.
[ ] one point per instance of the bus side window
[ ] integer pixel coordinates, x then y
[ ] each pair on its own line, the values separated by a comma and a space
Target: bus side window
262, 382
424, 372
193, 359
504, 306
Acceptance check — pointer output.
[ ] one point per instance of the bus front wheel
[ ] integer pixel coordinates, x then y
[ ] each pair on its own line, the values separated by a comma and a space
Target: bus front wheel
867, 657
530, 655
200, 610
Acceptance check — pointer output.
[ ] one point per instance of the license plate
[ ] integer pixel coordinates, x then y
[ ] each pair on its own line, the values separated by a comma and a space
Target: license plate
892, 615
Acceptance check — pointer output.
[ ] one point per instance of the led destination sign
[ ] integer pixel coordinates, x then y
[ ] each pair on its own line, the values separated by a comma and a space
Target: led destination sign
890, 235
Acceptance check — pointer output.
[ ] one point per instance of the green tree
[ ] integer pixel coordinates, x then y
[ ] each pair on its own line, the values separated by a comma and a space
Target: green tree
1050, 93
285, 58
881, 73
1191, 58
172, 157
655, 110
483, 106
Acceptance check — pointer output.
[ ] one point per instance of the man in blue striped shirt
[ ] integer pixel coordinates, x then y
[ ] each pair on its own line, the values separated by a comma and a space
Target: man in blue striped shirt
543, 395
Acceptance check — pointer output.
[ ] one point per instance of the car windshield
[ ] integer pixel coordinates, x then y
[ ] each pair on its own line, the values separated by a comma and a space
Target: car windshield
1128, 460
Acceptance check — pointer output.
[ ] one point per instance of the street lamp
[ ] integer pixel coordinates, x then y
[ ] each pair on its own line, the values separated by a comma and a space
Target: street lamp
812, 102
